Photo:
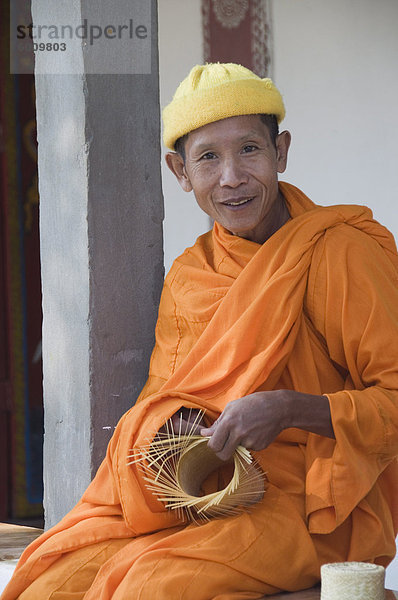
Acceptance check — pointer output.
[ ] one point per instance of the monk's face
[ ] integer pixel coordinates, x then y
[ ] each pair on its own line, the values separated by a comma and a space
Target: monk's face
231, 166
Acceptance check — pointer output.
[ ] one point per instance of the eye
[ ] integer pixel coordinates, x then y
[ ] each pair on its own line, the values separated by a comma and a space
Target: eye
208, 156
249, 148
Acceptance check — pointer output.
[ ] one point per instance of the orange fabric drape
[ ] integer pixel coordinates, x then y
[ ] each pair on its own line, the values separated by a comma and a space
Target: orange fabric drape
315, 308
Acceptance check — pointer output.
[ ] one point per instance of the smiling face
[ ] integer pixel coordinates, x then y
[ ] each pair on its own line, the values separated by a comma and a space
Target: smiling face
232, 165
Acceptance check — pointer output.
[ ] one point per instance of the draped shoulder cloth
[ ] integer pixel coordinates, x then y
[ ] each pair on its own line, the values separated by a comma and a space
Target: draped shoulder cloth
315, 308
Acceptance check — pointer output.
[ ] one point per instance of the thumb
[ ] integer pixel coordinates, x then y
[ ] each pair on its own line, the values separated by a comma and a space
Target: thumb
208, 431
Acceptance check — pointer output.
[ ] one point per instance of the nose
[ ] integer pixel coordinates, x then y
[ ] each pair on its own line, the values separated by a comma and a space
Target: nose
232, 174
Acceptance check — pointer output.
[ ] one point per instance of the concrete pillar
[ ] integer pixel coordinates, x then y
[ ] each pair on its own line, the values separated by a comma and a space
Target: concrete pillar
101, 213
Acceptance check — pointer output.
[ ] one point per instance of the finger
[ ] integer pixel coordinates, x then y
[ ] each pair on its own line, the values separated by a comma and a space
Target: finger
219, 437
208, 431
229, 449
224, 440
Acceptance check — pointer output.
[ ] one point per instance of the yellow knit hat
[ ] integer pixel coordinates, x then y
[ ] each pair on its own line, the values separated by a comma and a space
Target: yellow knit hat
216, 91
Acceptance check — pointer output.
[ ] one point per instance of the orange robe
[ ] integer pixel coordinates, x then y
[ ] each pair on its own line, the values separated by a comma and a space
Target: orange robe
315, 309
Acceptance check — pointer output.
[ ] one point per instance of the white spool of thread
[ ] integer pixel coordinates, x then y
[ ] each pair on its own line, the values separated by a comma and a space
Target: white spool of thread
352, 581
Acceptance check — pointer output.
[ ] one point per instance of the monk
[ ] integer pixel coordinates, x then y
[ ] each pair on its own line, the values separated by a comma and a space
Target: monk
281, 323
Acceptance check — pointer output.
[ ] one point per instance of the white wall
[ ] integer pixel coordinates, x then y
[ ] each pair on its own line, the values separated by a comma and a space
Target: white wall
336, 65
180, 48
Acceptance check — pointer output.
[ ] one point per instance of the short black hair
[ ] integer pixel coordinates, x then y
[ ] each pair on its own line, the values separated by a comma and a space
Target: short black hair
269, 120
272, 123
179, 146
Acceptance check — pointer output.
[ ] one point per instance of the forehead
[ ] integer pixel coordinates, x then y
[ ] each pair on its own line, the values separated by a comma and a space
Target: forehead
230, 130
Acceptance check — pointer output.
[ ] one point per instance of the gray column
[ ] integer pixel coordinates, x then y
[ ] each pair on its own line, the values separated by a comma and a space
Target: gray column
101, 213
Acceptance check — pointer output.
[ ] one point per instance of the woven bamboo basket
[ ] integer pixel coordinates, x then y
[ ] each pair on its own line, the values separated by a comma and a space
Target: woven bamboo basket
176, 467
352, 581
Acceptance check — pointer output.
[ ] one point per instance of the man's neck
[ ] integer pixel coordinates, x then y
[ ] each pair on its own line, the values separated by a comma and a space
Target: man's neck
279, 217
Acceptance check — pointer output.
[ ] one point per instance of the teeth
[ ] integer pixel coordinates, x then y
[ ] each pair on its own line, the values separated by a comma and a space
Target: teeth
238, 203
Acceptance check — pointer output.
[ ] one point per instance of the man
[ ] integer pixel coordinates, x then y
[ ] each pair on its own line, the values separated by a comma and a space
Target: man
282, 324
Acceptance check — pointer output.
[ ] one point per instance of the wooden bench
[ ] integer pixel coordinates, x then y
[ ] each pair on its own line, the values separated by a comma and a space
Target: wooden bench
14, 539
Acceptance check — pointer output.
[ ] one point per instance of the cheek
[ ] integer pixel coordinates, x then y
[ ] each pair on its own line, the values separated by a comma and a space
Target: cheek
205, 203
203, 183
268, 183
205, 170
204, 199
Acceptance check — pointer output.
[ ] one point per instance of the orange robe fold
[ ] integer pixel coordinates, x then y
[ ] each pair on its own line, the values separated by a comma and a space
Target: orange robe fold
315, 309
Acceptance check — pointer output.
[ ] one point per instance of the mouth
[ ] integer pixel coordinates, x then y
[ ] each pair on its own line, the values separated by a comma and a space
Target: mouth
237, 201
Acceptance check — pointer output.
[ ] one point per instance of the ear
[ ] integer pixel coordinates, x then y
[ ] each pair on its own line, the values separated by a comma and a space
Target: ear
176, 165
282, 148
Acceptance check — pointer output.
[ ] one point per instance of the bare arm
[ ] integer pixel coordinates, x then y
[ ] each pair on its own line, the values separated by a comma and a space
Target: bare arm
255, 420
